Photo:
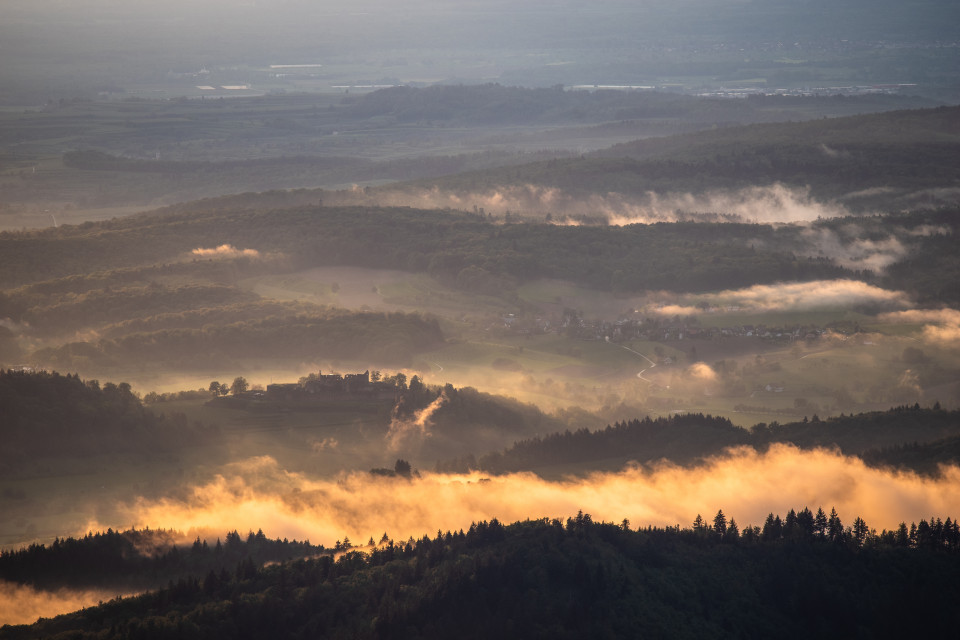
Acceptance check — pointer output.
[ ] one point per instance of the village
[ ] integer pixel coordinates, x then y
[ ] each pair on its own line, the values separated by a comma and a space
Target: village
651, 328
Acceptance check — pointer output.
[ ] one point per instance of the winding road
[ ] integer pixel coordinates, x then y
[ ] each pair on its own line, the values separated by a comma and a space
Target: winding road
652, 363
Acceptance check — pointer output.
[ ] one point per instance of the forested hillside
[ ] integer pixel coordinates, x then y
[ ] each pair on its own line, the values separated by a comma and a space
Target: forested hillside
796, 576
454, 245
901, 152
53, 415
904, 437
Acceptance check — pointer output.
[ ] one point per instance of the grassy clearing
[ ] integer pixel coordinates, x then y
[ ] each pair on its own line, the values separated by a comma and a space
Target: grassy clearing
291, 287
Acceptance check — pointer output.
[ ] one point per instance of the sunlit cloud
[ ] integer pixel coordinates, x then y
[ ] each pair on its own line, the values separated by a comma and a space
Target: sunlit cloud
942, 326
676, 310
702, 372
225, 251
746, 484
20, 604
948, 335
921, 316
258, 493
774, 203
788, 296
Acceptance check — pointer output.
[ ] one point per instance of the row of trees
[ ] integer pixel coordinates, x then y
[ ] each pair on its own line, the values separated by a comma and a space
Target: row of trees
807, 526
238, 387
142, 558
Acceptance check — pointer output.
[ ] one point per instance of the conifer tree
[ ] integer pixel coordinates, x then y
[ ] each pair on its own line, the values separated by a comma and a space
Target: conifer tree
720, 523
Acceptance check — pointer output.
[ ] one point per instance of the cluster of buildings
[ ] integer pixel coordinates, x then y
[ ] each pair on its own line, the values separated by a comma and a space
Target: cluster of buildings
656, 330
849, 90
334, 385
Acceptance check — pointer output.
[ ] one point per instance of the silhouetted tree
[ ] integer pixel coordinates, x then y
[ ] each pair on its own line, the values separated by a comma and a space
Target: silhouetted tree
834, 526
860, 530
239, 386
402, 468
720, 523
820, 523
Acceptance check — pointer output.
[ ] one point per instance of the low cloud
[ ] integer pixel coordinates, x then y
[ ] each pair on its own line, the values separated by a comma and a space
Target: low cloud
946, 335
944, 316
258, 493
225, 251
833, 153
407, 435
852, 252
677, 310
788, 296
942, 326
864, 244
324, 444
702, 372
769, 204
927, 230
746, 484
931, 198
20, 604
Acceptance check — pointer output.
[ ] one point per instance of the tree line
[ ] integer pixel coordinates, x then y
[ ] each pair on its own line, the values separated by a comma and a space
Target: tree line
568, 579
906, 437
143, 559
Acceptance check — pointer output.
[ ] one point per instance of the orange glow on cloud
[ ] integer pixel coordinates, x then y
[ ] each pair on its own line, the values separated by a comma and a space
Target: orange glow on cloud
258, 493
225, 251
24, 605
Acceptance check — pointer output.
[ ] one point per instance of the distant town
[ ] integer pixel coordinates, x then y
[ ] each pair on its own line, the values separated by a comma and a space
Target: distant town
657, 329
